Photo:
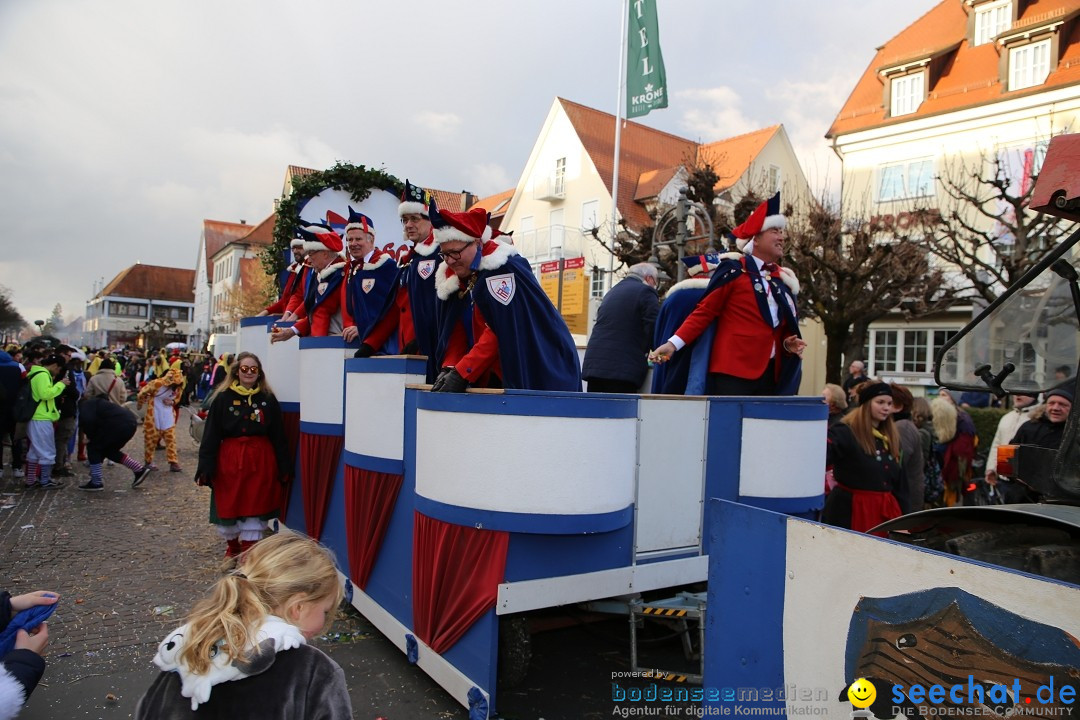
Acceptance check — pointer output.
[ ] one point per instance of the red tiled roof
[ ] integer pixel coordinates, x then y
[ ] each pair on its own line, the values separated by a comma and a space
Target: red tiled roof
642, 149
731, 158
153, 282
651, 182
297, 171
969, 75
217, 234
496, 204
446, 200
263, 233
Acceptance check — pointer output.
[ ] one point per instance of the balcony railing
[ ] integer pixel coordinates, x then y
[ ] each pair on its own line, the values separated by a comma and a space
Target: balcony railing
550, 243
549, 189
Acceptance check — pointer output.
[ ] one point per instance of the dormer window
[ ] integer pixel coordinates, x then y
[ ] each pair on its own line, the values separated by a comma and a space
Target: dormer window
1029, 65
991, 20
907, 93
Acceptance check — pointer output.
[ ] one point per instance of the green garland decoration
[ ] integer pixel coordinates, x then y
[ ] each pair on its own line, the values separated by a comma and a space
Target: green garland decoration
357, 180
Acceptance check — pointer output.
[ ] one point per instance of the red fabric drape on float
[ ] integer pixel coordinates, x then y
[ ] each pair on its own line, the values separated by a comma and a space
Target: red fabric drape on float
369, 501
456, 576
318, 462
291, 421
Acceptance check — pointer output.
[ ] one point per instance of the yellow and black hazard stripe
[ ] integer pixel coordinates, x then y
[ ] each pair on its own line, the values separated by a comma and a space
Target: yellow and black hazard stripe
663, 612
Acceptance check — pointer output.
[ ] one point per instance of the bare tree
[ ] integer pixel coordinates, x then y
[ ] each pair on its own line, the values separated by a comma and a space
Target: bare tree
11, 321
852, 273
248, 297
986, 231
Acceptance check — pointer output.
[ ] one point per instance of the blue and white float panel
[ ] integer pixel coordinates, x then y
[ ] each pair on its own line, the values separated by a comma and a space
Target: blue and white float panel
282, 367
254, 337
322, 382
798, 610
375, 410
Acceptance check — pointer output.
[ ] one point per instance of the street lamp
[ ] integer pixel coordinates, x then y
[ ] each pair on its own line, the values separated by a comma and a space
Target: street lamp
679, 214
40, 326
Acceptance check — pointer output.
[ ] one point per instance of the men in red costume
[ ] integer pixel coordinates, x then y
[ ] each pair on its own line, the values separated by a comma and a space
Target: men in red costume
369, 277
409, 315
292, 290
747, 320
497, 328
320, 315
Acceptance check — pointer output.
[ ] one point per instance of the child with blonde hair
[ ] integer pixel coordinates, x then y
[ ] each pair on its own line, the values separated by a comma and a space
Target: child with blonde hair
243, 652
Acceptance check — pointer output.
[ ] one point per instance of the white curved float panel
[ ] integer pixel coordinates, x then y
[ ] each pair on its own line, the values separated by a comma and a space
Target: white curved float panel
322, 379
375, 404
282, 367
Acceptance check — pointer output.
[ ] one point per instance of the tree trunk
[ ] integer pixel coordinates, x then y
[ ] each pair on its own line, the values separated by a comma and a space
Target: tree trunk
836, 337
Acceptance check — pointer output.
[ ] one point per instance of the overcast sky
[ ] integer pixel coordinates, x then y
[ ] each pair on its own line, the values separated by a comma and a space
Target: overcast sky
125, 123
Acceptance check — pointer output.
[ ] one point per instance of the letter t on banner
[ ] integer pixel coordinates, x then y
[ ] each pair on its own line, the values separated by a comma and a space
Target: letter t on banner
646, 81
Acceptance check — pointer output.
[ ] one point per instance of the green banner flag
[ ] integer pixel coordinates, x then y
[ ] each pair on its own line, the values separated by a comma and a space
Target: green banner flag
646, 81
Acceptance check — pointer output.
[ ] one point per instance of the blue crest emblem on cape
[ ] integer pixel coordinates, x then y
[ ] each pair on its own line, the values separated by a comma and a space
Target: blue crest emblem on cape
502, 287
425, 267
366, 284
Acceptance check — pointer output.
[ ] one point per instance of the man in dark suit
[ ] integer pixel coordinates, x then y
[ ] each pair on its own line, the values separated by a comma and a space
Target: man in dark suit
622, 335
747, 319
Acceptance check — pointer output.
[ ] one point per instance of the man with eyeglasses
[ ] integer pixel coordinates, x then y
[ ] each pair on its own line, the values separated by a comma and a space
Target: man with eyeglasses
497, 327
320, 314
409, 313
369, 277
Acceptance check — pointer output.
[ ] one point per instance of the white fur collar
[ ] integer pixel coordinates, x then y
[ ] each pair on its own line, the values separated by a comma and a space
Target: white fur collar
496, 253
495, 257
12, 694
694, 283
273, 637
380, 259
330, 269
787, 276
425, 247
446, 282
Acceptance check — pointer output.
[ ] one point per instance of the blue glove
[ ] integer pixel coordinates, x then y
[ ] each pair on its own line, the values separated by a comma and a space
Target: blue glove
27, 620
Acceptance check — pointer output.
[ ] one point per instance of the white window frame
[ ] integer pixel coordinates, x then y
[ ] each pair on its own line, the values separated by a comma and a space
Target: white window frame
560, 176
906, 93
909, 188
1029, 65
590, 207
597, 283
775, 178
934, 338
991, 20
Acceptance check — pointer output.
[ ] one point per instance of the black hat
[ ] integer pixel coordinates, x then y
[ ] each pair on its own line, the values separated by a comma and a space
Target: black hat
1061, 393
870, 391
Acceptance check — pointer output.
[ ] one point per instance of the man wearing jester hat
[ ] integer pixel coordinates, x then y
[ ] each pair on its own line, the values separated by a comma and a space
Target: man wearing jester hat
747, 319
369, 278
407, 324
497, 328
320, 313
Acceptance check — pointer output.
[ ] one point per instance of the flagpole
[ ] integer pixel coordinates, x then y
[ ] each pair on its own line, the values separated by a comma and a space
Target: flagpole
618, 139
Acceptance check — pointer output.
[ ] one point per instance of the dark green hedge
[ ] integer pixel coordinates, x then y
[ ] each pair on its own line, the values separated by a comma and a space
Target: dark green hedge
986, 422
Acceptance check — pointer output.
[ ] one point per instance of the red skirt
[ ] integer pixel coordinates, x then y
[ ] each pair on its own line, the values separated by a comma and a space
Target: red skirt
246, 479
870, 508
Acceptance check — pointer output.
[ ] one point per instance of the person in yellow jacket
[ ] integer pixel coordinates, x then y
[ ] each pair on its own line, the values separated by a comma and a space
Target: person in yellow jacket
45, 389
160, 396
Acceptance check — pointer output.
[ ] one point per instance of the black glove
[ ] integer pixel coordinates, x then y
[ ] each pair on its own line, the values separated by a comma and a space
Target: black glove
450, 380
202, 478
411, 348
365, 350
